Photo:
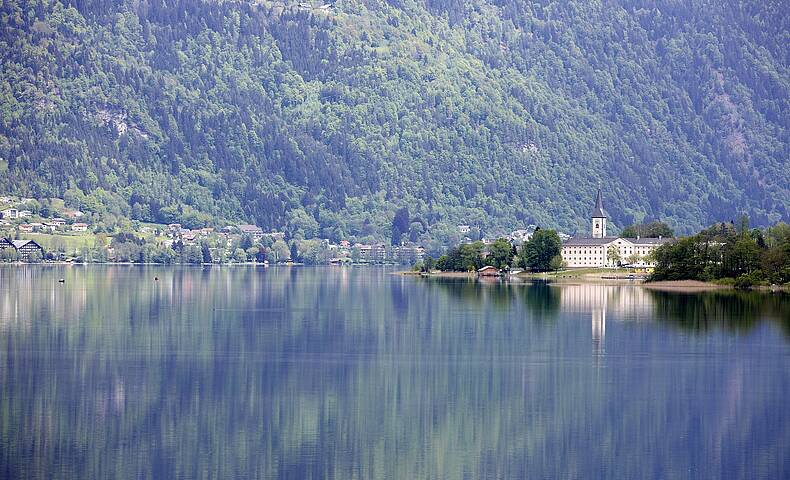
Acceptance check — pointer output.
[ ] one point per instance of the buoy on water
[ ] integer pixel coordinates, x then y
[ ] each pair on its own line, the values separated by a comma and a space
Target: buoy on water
156, 279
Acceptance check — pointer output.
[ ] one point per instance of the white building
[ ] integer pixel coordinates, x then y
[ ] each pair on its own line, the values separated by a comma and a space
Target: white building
595, 251
520, 236
10, 213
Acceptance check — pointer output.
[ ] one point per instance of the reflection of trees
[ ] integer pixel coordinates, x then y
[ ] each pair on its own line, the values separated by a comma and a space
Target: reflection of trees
730, 310
540, 299
326, 373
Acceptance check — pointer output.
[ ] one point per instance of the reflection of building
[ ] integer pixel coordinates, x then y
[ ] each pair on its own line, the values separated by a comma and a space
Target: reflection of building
602, 251
598, 328
627, 302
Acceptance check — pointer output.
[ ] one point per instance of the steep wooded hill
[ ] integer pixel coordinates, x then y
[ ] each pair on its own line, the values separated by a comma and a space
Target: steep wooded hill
325, 120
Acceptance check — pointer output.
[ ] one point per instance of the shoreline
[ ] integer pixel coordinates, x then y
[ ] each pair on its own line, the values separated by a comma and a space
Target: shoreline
588, 278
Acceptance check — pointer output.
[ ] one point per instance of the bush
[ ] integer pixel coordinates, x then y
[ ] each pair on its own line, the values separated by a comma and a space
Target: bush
744, 282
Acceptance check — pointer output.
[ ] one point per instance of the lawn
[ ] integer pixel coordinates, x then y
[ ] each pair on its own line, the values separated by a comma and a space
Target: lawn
71, 242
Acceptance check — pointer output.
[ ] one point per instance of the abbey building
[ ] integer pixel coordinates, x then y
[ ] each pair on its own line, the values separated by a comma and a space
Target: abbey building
600, 250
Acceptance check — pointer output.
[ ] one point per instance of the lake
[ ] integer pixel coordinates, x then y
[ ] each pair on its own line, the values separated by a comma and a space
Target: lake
357, 373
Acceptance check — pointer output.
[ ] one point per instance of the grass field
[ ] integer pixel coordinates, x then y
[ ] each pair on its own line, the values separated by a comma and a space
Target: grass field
71, 242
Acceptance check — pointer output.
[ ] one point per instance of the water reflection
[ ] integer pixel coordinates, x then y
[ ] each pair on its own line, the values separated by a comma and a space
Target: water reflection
355, 373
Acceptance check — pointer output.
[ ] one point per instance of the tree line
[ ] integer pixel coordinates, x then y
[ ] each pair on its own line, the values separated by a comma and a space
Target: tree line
541, 253
729, 253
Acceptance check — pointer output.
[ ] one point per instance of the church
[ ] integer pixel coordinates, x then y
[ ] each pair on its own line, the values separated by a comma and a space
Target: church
594, 251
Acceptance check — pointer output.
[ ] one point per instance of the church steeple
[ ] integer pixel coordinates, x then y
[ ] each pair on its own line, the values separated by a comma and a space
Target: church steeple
599, 217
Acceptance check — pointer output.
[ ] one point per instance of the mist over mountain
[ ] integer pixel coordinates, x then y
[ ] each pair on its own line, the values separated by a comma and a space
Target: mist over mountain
323, 118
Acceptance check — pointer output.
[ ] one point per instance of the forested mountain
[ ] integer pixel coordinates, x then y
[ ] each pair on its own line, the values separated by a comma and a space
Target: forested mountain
325, 119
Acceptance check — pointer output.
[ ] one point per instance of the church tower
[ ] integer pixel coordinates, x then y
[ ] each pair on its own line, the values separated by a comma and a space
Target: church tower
599, 217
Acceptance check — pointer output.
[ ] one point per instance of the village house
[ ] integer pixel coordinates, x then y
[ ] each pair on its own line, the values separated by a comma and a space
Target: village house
520, 236
79, 227
252, 230
6, 243
25, 247
598, 250
26, 228
10, 213
464, 229
189, 236
488, 271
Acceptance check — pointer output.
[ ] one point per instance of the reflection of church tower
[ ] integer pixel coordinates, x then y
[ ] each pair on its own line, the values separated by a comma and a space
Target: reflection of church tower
599, 217
598, 328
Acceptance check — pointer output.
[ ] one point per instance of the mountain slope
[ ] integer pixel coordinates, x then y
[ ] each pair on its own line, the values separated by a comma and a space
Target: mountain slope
325, 121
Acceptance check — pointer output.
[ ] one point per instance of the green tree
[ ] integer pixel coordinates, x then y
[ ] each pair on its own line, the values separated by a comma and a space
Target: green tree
280, 251
500, 254
428, 264
35, 256
192, 254
239, 255
8, 255
537, 253
400, 225
557, 263
246, 241
613, 256
206, 251
634, 258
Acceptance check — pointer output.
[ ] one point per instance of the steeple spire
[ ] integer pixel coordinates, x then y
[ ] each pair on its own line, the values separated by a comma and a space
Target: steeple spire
598, 211
599, 217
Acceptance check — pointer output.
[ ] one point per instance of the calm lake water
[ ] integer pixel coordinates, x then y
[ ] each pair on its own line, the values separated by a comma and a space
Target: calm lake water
355, 373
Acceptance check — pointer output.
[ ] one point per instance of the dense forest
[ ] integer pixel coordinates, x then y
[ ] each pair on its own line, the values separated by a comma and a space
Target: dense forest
325, 120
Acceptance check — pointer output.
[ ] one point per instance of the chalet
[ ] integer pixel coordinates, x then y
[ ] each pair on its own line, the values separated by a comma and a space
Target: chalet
25, 247
598, 250
79, 227
6, 243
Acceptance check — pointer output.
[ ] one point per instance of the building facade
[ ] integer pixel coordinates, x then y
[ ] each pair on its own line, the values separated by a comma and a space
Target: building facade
25, 247
599, 250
